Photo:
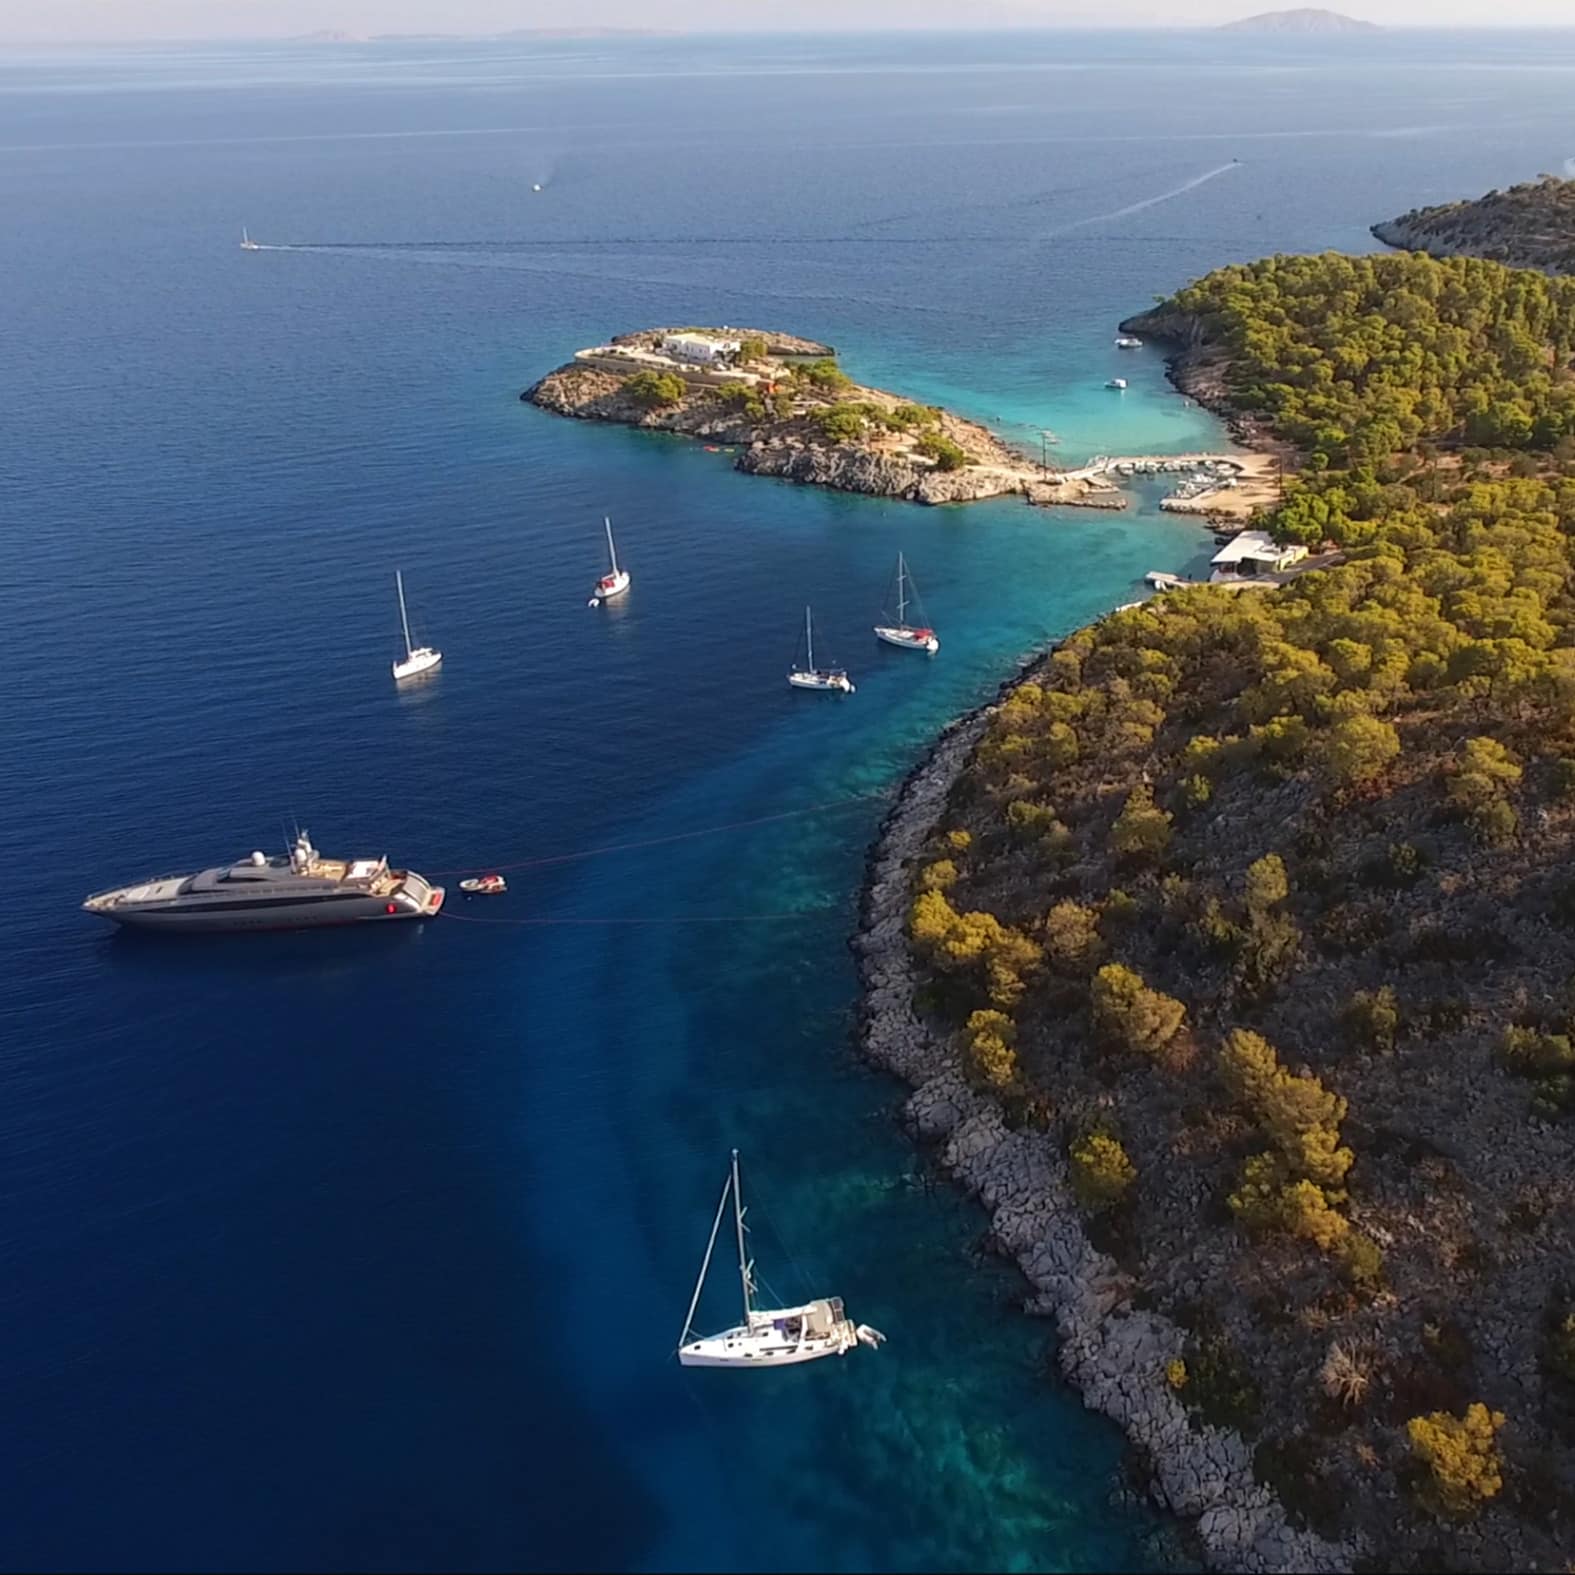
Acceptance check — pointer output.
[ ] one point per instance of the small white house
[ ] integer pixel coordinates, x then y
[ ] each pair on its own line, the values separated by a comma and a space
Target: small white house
699, 348
1252, 554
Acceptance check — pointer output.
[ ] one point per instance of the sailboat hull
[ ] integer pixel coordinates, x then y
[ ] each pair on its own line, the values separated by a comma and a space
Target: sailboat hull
418, 662
908, 639
715, 1351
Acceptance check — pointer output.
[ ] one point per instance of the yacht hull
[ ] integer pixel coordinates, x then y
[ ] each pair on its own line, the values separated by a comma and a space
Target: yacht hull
299, 916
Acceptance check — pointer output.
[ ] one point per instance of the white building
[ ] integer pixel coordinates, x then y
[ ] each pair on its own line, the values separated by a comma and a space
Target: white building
699, 348
1252, 554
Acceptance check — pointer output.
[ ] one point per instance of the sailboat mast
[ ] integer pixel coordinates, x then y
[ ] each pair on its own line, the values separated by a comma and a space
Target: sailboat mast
612, 551
902, 593
809, 652
738, 1221
404, 618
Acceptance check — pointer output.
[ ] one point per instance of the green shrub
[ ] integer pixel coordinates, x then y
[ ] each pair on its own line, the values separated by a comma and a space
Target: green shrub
1125, 1009
1461, 1455
842, 423
1101, 1172
1142, 830
656, 390
1372, 1018
946, 454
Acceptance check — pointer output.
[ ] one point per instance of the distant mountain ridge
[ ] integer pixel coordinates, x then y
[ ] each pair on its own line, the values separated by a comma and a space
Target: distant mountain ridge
1305, 19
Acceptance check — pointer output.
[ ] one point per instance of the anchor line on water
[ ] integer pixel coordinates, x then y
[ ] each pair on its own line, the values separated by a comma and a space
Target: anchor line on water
677, 836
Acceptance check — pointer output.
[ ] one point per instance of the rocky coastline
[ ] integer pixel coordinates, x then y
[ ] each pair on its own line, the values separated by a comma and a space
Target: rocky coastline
772, 416
1531, 225
1109, 1348
1198, 369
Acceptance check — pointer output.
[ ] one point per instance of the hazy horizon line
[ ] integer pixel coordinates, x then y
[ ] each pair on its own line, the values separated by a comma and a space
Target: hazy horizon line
324, 35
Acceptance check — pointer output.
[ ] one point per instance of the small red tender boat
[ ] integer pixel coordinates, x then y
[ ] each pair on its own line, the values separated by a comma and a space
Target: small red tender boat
484, 885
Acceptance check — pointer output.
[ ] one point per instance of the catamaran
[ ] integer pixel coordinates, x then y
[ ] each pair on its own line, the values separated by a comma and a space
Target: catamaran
910, 637
811, 677
616, 581
768, 1336
418, 658
247, 243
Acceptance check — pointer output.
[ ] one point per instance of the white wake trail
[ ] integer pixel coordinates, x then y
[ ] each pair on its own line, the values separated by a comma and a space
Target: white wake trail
1147, 202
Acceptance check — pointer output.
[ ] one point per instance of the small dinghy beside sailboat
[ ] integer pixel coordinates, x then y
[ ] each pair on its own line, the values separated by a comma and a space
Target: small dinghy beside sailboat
616, 581
832, 679
768, 1336
418, 658
907, 636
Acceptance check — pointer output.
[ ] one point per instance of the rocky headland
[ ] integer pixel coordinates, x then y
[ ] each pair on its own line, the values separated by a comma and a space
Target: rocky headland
1110, 1347
1231, 952
1528, 226
789, 411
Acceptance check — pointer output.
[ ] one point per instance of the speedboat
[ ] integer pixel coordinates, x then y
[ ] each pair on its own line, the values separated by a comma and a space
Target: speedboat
1128, 342
247, 243
484, 885
1116, 382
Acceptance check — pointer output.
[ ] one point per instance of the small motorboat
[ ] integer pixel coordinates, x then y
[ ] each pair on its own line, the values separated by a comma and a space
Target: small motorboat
711, 448
1116, 382
484, 885
1129, 342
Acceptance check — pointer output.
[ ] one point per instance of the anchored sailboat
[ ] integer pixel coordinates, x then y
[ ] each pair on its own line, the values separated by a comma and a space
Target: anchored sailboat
811, 677
418, 658
616, 581
768, 1336
910, 637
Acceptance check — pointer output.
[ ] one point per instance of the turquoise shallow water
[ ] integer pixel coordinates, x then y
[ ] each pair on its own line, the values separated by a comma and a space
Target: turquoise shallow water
371, 1251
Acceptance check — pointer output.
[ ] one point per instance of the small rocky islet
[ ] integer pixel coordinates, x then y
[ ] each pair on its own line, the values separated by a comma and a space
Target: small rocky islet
790, 411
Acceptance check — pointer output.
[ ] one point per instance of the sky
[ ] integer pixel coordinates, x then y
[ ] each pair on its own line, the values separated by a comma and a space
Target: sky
88, 20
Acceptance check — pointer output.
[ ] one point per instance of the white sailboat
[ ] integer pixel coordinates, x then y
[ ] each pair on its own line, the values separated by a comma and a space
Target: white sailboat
616, 581
907, 636
247, 243
768, 1336
811, 677
418, 658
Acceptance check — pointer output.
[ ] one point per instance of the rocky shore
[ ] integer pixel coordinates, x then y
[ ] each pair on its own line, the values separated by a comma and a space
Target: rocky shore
773, 415
1198, 369
1112, 1351
1531, 225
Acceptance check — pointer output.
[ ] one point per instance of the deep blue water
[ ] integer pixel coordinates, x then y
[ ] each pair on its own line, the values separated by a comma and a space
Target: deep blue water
371, 1250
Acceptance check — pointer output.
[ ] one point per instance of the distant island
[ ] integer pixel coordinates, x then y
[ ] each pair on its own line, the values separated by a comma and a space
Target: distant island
1303, 20
789, 410
1231, 952
1528, 226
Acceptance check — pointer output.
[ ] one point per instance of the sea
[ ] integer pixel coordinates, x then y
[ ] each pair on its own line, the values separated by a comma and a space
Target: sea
371, 1250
